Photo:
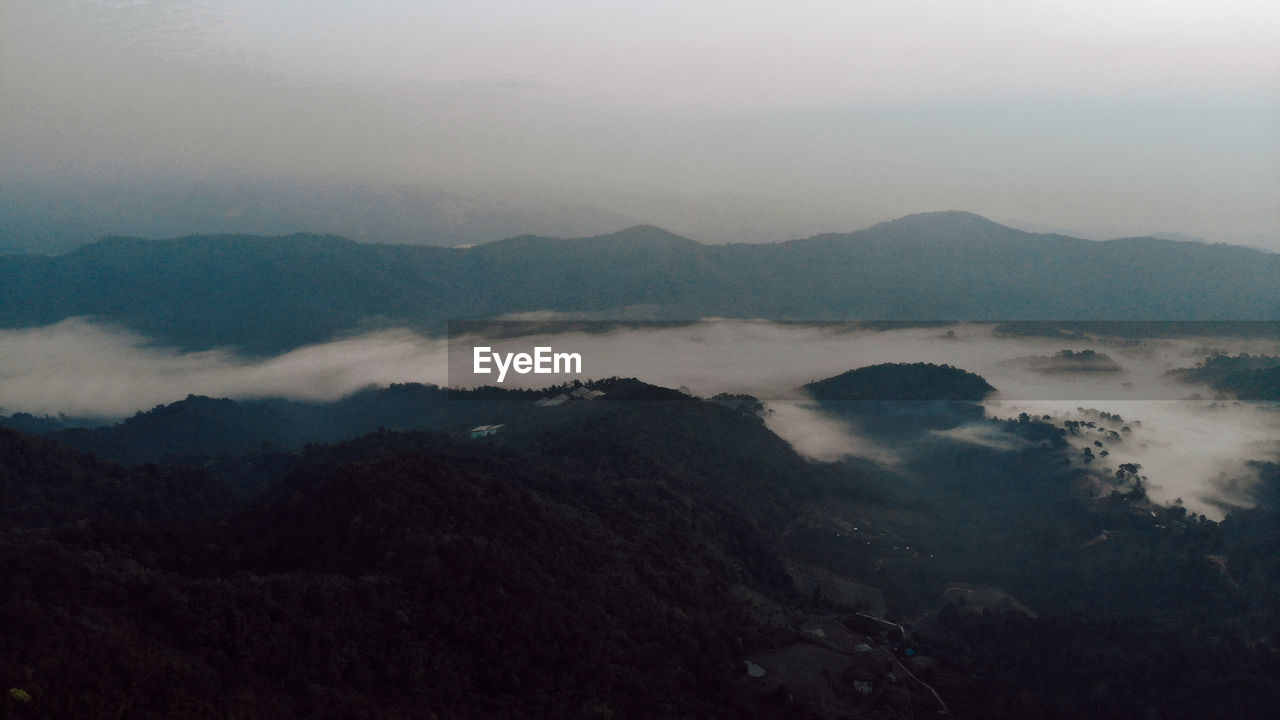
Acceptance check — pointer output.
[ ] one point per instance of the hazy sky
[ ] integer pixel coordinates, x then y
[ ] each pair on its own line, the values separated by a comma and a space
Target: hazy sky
1110, 117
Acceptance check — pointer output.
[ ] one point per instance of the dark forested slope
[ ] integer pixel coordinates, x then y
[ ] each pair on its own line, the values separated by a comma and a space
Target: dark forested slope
590, 564
644, 554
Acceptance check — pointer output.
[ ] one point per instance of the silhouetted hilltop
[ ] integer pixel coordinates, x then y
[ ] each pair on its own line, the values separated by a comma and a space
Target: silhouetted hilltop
1248, 377
896, 382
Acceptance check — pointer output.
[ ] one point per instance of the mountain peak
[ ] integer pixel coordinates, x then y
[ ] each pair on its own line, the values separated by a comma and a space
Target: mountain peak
634, 236
943, 219
647, 234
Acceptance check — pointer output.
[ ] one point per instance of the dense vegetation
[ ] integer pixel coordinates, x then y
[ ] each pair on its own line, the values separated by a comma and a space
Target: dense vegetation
620, 557
1073, 361
1248, 377
271, 294
896, 382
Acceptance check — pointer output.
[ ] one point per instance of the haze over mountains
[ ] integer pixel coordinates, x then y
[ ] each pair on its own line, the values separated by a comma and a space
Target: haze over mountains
166, 207
787, 463
269, 294
56, 215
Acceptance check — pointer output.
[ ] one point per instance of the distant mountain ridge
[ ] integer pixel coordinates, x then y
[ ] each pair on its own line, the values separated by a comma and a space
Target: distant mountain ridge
266, 295
39, 214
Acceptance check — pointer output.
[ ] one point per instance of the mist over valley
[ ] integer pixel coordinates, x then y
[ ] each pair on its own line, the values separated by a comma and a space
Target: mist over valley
1193, 442
604, 361
929, 482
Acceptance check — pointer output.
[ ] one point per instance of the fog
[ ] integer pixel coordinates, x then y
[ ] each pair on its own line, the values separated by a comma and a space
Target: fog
80, 369
1192, 449
822, 437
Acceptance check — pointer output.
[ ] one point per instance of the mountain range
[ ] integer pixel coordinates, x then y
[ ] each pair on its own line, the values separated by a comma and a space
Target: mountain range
269, 294
45, 215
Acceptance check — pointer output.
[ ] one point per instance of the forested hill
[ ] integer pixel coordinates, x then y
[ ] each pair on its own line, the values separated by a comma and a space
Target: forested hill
270, 294
896, 382
595, 560
642, 555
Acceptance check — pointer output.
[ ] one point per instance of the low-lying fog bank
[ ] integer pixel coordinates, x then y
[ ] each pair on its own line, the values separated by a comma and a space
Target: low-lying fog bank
1189, 449
81, 369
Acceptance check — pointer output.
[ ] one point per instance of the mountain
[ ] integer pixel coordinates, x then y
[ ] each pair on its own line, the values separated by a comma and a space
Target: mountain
44, 215
268, 294
644, 554
896, 382
616, 558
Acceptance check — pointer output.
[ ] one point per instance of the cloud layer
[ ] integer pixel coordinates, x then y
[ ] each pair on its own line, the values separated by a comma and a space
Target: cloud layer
1190, 449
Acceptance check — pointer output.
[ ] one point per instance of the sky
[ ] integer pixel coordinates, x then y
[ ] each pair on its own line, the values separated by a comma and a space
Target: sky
719, 120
